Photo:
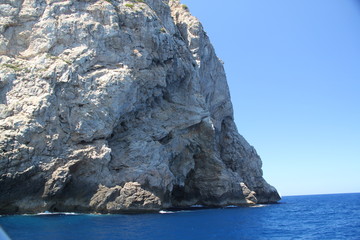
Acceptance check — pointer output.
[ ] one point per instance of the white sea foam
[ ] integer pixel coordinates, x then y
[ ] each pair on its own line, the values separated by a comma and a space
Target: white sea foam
56, 213
165, 212
259, 205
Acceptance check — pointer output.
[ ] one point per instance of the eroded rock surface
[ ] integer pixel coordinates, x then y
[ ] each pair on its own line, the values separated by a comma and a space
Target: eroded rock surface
110, 106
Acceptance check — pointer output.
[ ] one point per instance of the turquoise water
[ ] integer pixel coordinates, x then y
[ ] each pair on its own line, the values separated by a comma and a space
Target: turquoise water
297, 217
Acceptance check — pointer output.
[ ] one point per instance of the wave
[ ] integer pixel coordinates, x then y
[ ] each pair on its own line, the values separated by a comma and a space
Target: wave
47, 213
165, 212
259, 205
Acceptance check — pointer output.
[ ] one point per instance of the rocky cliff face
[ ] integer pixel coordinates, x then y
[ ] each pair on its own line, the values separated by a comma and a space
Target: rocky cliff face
114, 105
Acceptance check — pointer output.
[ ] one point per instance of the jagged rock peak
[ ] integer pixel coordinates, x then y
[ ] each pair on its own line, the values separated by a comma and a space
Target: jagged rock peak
113, 105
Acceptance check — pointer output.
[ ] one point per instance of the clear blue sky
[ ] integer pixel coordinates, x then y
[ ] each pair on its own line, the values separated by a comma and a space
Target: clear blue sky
293, 69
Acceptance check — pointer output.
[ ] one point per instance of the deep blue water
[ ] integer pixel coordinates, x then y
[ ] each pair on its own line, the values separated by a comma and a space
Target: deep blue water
297, 217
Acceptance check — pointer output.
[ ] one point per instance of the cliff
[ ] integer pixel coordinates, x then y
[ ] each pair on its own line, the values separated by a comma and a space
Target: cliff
113, 105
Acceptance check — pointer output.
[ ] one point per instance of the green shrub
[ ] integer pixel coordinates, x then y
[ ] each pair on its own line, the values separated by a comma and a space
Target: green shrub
56, 58
184, 6
130, 5
15, 67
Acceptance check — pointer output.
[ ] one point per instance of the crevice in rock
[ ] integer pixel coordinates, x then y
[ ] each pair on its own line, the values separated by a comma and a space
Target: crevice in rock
183, 195
227, 153
166, 139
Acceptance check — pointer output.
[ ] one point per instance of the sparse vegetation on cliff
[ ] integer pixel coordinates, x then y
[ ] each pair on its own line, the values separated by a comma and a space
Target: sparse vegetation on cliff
15, 66
130, 5
184, 6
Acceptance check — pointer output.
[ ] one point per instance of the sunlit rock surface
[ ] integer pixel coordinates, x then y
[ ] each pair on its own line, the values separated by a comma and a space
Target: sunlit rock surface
111, 106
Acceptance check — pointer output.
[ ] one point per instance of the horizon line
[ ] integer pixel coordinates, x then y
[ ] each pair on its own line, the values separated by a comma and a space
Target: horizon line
314, 194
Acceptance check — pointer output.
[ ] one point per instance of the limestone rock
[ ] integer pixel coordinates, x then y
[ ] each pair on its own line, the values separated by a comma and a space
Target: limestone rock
110, 106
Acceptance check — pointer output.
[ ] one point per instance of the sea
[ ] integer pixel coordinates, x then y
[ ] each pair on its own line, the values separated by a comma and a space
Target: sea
335, 216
